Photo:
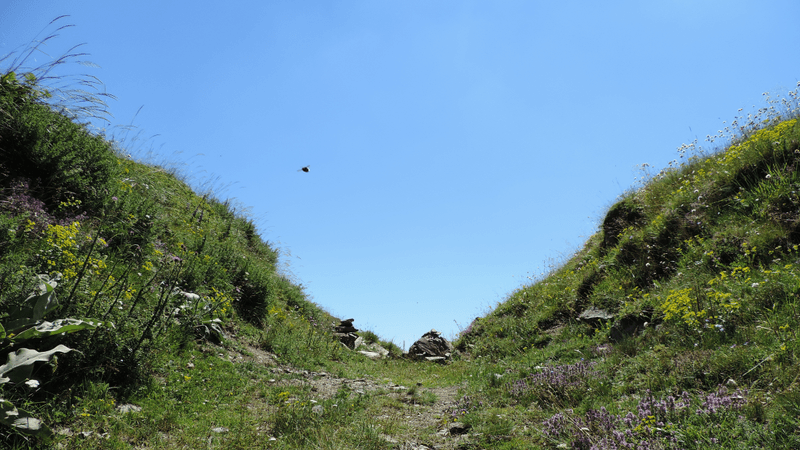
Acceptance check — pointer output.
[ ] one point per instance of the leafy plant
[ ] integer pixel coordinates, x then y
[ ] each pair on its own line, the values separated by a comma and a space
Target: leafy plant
23, 325
203, 314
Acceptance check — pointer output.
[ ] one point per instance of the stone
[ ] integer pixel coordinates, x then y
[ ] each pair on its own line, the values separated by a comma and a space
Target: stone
457, 428
595, 315
128, 408
374, 347
350, 340
432, 347
345, 326
436, 359
370, 355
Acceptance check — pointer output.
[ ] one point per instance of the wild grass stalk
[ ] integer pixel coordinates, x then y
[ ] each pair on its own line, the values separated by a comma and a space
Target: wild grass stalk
99, 291
160, 307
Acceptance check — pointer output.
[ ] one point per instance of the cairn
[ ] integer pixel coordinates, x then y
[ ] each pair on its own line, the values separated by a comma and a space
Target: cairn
431, 347
346, 333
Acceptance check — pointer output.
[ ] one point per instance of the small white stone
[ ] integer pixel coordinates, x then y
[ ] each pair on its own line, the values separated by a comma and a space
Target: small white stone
128, 408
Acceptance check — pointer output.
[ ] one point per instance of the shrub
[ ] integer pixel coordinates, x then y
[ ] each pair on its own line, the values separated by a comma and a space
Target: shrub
61, 157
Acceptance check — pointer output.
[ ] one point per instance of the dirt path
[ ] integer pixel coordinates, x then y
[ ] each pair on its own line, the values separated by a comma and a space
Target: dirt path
418, 411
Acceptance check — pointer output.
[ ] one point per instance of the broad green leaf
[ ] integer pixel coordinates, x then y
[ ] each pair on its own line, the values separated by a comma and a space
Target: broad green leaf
2, 332
21, 420
59, 326
46, 301
20, 363
36, 307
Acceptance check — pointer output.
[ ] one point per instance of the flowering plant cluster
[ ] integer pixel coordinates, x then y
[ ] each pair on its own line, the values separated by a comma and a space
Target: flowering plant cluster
655, 425
218, 302
469, 329
555, 382
462, 407
709, 307
64, 242
21, 202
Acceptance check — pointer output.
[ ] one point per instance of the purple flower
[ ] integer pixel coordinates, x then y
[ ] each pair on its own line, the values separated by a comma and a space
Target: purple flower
654, 426
558, 377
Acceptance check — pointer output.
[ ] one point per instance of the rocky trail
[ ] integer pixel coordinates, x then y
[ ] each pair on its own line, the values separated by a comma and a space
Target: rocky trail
418, 411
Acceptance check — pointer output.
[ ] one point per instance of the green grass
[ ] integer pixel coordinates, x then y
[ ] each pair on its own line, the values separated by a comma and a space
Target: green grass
699, 265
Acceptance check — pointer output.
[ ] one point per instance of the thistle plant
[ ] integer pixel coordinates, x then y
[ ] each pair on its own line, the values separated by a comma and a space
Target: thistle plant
204, 314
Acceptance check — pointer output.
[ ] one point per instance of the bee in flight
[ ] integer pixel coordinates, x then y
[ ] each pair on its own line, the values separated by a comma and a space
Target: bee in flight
304, 169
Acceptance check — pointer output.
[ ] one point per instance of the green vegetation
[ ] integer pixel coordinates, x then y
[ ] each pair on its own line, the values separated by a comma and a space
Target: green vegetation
699, 267
199, 341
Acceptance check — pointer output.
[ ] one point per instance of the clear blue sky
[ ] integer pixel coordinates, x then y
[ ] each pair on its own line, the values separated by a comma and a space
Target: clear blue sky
455, 146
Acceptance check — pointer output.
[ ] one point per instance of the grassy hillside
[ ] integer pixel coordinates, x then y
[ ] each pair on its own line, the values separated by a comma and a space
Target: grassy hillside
693, 282
673, 327
140, 264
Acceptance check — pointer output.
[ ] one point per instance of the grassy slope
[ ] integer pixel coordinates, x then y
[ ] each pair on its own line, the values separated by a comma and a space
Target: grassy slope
124, 239
699, 267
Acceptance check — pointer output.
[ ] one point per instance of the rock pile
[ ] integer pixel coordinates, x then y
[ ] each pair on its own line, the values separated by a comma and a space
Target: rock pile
431, 347
346, 333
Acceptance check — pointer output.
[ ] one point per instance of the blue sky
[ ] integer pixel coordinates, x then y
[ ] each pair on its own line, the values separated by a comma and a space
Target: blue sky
456, 147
